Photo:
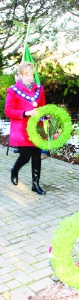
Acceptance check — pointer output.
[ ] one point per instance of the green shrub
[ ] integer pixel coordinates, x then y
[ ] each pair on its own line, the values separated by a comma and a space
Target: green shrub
5, 82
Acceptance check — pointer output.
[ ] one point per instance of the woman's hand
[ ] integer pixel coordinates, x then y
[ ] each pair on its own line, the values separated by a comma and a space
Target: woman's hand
31, 113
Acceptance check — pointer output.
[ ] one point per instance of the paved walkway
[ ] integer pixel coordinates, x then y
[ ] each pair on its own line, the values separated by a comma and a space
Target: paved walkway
27, 223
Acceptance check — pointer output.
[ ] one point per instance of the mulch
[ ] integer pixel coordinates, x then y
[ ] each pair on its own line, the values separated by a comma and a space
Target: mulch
4, 139
58, 291
66, 154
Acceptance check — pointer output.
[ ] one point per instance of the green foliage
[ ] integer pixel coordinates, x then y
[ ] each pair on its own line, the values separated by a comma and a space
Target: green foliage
52, 72
66, 91
70, 84
5, 82
57, 83
78, 82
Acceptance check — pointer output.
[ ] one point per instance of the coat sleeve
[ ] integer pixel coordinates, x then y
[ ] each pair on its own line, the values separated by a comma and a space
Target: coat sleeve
11, 110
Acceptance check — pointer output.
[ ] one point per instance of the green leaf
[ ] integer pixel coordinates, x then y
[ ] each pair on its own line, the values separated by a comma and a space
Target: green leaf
78, 82
66, 91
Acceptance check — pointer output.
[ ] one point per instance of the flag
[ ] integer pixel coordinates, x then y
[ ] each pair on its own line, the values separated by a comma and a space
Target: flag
27, 55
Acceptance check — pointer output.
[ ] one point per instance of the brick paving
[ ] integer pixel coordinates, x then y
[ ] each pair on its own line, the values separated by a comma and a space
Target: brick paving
27, 223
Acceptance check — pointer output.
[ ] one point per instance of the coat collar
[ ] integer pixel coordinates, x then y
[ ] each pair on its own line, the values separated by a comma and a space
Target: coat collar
20, 86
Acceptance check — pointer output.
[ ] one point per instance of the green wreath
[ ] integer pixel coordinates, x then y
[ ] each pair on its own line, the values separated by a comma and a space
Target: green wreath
63, 240
63, 117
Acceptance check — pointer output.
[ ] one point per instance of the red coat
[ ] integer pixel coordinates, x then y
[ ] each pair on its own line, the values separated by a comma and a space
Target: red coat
14, 109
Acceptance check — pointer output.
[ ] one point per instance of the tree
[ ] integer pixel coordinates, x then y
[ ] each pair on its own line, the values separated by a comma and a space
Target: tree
49, 19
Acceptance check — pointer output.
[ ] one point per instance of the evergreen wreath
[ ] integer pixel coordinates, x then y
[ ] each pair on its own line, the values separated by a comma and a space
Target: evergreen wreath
63, 239
66, 125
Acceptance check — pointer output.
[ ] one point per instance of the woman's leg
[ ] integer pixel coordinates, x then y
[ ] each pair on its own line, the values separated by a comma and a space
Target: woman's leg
20, 162
36, 169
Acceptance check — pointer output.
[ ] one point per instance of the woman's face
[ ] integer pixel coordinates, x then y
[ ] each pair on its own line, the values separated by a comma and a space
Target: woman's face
27, 78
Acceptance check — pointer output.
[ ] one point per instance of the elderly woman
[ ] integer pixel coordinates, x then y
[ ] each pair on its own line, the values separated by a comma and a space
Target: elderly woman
22, 101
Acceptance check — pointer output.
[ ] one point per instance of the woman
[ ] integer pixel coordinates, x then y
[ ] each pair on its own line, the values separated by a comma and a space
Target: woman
22, 101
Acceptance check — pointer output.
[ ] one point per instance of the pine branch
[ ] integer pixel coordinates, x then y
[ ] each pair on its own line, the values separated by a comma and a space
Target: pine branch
21, 42
8, 34
16, 49
75, 4
5, 7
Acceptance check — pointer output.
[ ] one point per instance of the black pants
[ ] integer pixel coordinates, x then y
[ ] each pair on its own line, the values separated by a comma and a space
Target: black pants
29, 152
25, 154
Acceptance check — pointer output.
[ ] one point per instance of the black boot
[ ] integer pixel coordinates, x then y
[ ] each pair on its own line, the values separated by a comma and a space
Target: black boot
36, 167
14, 171
14, 177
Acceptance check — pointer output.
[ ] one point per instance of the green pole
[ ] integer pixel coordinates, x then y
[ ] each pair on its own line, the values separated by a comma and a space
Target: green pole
27, 55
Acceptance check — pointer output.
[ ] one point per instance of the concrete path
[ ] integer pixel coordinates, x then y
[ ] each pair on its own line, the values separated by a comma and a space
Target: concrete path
27, 223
